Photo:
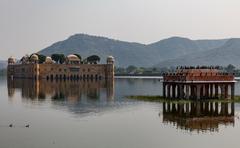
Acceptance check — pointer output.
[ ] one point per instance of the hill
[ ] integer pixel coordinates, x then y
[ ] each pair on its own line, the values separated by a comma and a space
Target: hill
129, 53
228, 53
125, 53
210, 44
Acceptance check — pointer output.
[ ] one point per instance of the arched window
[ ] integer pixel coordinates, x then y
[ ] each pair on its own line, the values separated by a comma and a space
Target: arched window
96, 76
51, 77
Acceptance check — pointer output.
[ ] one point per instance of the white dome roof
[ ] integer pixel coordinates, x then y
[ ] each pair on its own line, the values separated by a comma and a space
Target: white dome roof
11, 60
110, 59
48, 60
72, 57
34, 57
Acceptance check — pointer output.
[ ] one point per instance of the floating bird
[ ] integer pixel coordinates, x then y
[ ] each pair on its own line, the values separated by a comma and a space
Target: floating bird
10, 125
27, 126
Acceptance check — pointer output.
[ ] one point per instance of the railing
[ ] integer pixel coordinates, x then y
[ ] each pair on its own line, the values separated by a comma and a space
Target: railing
200, 78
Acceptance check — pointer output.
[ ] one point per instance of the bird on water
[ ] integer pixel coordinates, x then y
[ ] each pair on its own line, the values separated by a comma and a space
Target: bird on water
27, 126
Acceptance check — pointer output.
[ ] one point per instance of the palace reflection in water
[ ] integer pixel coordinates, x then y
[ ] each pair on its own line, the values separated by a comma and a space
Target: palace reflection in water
198, 116
93, 96
78, 93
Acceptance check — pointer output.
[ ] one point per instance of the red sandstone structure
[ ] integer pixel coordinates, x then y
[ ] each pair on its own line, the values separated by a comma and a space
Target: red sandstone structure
71, 69
198, 83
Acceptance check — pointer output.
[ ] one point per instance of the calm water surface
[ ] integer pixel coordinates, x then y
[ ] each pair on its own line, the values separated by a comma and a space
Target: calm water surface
96, 114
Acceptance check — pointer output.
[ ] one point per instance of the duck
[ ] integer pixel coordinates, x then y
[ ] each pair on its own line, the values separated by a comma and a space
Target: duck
27, 126
10, 125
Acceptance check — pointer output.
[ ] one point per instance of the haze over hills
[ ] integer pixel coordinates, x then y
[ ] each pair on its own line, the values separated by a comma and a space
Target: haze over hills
129, 53
210, 44
228, 53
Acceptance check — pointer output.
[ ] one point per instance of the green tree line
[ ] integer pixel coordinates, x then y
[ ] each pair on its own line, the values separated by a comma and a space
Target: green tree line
133, 70
60, 58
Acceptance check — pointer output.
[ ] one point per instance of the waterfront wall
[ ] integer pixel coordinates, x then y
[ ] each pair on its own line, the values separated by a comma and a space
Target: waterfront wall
61, 71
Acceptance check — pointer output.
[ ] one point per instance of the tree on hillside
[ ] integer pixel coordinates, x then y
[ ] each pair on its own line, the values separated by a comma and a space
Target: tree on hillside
94, 59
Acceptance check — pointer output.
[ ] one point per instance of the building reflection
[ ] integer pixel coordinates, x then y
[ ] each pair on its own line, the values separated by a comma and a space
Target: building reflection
70, 91
199, 116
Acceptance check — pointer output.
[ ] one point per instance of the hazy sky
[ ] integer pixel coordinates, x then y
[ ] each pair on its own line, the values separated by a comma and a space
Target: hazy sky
27, 26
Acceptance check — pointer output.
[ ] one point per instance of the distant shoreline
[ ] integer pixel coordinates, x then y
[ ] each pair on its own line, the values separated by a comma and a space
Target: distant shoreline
155, 75
126, 76
147, 77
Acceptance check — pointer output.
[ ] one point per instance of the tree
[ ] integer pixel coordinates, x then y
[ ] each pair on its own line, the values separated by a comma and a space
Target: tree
154, 69
41, 58
55, 57
93, 59
84, 61
230, 68
79, 56
131, 69
61, 58
58, 58
120, 70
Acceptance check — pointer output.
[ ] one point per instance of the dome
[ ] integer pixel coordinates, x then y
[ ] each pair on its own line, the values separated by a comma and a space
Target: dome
34, 58
72, 57
110, 59
48, 60
11, 60
25, 59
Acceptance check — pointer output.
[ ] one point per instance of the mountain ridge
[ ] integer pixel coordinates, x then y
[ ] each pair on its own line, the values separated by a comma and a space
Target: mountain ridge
130, 53
228, 53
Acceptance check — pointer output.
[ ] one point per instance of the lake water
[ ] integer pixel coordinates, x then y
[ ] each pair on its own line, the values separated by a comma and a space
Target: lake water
91, 114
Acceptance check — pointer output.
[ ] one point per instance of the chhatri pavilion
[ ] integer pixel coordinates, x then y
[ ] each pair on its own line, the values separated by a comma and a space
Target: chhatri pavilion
198, 83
